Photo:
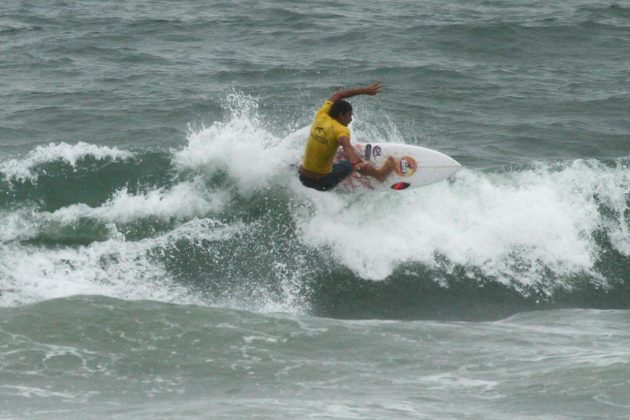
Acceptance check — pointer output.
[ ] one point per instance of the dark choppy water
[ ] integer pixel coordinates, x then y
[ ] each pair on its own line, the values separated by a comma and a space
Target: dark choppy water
159, 258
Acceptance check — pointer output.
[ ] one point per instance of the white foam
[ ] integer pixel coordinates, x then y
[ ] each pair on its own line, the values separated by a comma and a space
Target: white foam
182, 201
17, 224
511, 226
31, 392
22, 169
240, 147
116, 267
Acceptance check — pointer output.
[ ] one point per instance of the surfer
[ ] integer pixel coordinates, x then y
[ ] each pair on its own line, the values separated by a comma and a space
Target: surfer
328, 132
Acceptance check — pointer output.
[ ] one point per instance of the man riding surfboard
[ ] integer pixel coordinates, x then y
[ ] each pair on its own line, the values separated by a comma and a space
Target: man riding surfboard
328, 132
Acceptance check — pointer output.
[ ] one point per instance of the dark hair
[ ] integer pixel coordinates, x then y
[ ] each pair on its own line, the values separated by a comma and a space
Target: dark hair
339, 107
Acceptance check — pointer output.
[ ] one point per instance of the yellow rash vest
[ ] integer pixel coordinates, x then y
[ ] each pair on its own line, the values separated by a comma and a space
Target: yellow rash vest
323, 141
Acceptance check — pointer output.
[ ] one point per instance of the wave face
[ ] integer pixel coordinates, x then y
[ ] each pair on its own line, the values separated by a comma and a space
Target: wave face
224, 221
147, 153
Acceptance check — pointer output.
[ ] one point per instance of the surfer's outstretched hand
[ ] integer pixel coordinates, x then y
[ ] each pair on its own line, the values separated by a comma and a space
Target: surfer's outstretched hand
371, 90
374, 88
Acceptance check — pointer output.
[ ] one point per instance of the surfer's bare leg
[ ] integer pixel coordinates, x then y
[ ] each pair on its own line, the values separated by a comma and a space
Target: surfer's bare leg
378, 173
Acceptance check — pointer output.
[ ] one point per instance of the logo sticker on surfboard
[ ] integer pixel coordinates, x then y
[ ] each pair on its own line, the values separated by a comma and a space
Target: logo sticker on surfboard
368, 151
406, 166
376, 151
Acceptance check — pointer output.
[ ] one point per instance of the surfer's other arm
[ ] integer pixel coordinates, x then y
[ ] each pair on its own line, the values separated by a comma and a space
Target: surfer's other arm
366, 168
349, 151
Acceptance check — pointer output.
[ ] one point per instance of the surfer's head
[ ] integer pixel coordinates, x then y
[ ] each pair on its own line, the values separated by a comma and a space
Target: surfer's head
341, 111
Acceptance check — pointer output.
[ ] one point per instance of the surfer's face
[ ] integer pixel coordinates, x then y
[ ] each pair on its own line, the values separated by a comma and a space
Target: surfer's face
345, 118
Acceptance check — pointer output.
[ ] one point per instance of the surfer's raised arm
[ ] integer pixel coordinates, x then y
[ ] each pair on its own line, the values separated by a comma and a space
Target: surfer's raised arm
371, 90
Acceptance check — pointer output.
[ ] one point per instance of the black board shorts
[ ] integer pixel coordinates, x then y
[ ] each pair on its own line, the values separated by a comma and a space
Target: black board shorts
340, 170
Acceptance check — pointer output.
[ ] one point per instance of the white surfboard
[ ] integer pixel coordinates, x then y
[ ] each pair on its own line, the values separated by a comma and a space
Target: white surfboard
415, 167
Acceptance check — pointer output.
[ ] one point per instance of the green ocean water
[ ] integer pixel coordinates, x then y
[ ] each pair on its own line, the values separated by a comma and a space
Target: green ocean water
159, 258
148, 359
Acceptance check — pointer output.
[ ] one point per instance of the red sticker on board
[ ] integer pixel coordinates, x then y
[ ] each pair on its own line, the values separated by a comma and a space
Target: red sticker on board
400, 185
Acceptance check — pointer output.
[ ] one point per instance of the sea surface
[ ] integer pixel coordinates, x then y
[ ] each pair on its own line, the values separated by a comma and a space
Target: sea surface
160, 259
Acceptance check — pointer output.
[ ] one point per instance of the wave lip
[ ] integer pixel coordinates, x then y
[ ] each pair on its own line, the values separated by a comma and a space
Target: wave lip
183, 201
115, 267
22, 169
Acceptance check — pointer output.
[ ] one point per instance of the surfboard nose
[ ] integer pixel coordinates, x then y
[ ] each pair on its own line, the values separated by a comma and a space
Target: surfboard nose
452, 162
